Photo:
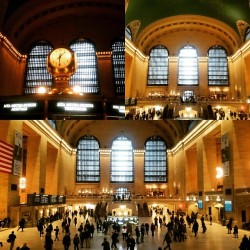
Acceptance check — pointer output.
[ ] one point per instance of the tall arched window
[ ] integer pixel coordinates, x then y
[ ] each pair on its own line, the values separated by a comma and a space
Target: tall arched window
128, 33
188, 66
37, 74
155, 161
86, 73
88, 160
158, 66
217, 66
247, 36
122, 160
118, 61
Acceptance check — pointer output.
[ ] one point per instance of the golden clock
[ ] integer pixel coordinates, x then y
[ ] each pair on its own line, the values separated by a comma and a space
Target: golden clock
61, 64
60, 58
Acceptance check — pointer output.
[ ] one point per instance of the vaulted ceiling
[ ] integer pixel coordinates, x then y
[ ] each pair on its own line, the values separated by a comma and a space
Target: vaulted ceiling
227, 11
27, 21
203, 23
138, 131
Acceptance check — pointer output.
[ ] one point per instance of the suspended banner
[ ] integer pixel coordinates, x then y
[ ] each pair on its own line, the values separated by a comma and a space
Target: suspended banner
18, 153
225, 154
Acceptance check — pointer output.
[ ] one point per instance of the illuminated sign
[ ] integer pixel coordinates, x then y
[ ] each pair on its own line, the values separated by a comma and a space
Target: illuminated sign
121, 109
228, 206
19, 107
200, 204
75, 106
44, 199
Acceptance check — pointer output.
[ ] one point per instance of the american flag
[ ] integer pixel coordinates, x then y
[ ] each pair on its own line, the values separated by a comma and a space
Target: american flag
6, 157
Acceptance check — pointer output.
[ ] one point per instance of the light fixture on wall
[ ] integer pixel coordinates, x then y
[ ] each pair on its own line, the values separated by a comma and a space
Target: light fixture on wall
22, 183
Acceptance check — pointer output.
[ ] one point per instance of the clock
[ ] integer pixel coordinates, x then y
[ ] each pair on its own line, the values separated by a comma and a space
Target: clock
61, 64
60, 58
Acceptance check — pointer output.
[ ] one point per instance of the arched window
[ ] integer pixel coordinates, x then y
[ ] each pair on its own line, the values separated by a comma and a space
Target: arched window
122, 160
88, 160
118, 61
86, 73
217, 66
158, 66
188, 66
37, 74
247, 36
128, 33
155, 161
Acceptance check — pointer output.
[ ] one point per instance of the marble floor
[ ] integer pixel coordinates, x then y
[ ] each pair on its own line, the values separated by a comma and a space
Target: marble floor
216, 238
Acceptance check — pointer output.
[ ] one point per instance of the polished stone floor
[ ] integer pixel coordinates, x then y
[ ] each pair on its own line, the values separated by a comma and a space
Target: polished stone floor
216, 238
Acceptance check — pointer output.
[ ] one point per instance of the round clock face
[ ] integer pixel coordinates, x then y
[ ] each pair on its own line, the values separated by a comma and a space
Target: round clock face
60, 58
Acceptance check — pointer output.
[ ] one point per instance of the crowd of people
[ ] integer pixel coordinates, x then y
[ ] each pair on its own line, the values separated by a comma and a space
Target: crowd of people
76, 232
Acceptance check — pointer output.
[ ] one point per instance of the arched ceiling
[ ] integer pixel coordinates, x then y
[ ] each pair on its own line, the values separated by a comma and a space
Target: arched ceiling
227, 11
171, 130
27, 21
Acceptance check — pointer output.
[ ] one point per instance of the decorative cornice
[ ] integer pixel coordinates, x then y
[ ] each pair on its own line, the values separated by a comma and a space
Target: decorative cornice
4, 42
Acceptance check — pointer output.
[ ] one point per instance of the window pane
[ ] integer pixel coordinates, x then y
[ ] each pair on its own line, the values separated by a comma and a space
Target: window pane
86, 73
122, 166
128, 33
247, 34
158, 66
88, 160
155, 163
118, 60
188, 66
217, 66
37, 74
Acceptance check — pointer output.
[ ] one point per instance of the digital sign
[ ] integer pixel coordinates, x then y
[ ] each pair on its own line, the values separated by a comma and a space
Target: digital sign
45, 199
115, 110
228, 206
19, 107
71, 108
30, 109
200, 204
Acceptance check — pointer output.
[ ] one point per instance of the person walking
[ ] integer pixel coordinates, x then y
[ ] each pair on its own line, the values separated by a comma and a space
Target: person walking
21, 224
66, 241
56, 233
236, 231
195, 228
168, 240
152, 228
48, 241
76, 242
131, 243
105, 244
11, 240
114, 238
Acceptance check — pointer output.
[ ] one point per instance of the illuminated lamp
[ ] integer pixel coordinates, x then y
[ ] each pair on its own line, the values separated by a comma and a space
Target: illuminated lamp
42, 90
219, 172
22, 182
76, 89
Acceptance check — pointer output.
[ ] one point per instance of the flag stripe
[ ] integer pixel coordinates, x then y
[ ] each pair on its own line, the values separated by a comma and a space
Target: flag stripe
6, 157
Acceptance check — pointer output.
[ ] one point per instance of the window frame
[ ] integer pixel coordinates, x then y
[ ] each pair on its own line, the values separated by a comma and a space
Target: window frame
115, 158
195, 66
79, 78
150, 157
45, 79
156, 66
93, 154
217, 66
118, 66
